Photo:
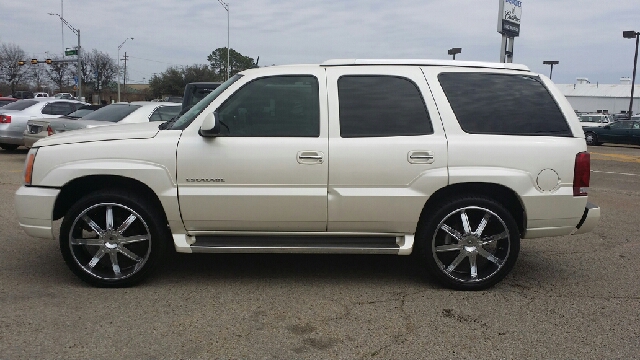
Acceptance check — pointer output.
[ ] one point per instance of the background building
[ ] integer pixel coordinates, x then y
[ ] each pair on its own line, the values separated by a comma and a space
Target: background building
612, 98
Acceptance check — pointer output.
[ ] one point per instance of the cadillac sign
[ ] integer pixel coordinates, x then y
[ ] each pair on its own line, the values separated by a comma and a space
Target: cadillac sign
509, 17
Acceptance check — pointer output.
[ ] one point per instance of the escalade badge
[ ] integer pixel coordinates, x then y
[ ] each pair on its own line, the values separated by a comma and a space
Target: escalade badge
205, 180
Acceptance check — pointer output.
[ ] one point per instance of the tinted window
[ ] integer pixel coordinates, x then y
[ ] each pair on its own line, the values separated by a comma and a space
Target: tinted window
487, 103
112, 113
58, 108
165, 113
381, 106
273, 106
5, 102
190, 114
20, 105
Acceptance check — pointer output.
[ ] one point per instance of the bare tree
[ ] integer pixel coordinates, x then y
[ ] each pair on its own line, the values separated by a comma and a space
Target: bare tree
37, 74
103, 69
60, 73
14, 74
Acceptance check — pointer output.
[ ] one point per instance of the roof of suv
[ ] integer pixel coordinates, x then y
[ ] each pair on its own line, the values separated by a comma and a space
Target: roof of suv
425, 62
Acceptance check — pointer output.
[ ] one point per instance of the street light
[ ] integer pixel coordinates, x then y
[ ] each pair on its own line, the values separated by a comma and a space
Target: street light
454, 51
226, 7
630, 35
551, 62
79, 54
120, 47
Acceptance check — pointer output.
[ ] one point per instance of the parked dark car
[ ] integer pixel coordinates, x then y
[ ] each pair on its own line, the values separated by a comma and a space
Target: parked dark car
23, 95
619, 132
195, 92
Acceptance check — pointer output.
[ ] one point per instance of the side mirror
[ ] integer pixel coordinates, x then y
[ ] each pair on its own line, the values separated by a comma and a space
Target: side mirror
607, 126
210, 126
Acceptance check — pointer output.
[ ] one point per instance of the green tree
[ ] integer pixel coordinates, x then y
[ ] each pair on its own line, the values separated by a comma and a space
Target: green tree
239, 62
173, 80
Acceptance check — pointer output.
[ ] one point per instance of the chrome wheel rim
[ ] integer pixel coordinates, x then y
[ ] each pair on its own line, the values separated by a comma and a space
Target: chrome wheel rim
110, 241
471, 244
589, 138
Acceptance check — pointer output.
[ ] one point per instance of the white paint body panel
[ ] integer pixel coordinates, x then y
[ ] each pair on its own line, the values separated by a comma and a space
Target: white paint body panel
362, 186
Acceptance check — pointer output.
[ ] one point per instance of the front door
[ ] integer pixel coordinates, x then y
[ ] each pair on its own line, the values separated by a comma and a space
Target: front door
268, 169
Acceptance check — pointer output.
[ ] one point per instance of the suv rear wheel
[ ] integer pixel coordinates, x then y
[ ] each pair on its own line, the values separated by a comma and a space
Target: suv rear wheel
470, 243
113, 238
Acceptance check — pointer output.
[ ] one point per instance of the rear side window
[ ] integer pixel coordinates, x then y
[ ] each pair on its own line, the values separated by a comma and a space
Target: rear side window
112, 113
58, 108
488, 103
376, 106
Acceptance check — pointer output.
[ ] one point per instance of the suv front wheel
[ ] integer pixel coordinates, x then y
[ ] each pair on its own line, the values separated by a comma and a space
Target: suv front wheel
113, 238
470, 243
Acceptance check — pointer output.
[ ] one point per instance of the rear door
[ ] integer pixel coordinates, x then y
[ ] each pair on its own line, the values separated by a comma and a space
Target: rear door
387, 148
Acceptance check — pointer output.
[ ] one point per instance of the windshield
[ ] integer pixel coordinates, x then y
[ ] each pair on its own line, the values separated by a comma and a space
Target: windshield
112, 113
183, 121
20, 105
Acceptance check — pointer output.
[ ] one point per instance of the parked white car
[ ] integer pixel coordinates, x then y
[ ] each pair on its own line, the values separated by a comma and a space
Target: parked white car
14, 117
589, 120
118, 113
438, 158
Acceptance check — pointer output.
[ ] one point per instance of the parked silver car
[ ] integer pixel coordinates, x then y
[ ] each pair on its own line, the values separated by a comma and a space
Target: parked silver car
39, 128
119, 113
14, 117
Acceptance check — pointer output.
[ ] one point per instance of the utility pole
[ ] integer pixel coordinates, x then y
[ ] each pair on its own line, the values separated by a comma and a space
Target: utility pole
125, 74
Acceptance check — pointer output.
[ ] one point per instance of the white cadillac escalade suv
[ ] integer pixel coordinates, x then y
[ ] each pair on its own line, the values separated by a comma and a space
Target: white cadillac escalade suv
452, 161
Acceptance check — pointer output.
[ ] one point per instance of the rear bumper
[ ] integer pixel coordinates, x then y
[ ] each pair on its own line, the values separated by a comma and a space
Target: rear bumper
589, 219
30, 139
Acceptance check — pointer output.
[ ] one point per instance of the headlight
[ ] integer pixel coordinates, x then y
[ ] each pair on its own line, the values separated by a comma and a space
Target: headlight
28, 165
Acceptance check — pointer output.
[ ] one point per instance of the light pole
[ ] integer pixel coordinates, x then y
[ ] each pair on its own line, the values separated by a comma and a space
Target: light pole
551, 62
120, 47
79, 53
454, 51
630, 35
226, 7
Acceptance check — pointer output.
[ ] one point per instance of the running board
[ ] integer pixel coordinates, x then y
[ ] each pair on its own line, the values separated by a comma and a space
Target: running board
309, 244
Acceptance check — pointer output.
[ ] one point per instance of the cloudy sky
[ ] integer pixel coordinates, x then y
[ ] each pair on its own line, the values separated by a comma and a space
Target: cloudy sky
584, 35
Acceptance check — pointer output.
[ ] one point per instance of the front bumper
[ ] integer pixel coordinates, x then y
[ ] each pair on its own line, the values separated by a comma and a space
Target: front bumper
589, 219
34, 206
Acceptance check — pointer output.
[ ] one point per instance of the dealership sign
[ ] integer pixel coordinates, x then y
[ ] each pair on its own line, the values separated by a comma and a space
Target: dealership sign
509, 17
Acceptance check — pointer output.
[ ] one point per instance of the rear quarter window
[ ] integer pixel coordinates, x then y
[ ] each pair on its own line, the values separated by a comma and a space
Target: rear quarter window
503, 104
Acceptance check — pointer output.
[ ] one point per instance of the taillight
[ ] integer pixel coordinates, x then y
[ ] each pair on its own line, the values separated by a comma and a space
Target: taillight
49, 131
581, 174
5, 119
28, 167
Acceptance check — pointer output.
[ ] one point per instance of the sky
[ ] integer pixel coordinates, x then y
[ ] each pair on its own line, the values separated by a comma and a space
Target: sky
585, 36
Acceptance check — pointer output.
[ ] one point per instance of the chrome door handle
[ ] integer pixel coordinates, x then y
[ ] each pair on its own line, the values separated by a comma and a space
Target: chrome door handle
310, 157
420, 157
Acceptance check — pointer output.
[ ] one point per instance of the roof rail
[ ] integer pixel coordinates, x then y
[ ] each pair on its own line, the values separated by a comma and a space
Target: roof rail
424, 62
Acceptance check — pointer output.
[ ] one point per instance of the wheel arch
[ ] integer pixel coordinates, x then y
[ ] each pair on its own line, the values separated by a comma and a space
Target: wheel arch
500, 193
75, 189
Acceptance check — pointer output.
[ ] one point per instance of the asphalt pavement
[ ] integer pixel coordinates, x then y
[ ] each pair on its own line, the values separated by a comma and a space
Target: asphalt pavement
573, 297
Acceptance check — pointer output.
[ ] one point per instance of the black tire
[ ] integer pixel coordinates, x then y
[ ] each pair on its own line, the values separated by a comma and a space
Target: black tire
591, 138
448, 248
9, 147
117, 255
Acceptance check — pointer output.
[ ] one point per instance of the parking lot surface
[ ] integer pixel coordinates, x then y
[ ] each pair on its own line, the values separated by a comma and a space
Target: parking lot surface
568, 297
